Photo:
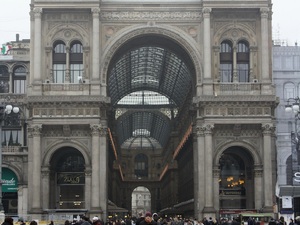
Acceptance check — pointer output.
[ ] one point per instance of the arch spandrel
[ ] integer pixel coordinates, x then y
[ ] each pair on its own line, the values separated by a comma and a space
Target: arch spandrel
173, 33
67, 33
251, 149
51, 149
234, 33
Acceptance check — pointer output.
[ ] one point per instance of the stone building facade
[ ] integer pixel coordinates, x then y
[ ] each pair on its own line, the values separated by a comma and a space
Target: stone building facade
286, 65
175, 96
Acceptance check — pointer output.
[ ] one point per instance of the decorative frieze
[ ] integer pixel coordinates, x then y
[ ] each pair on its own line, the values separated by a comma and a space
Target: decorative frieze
150, 15
69, 112
237, 111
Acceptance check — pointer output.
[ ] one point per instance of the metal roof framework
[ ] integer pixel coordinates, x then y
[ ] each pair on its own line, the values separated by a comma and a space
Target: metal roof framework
149, 80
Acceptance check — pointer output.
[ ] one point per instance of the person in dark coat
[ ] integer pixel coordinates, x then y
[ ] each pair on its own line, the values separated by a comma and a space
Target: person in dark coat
148, 220
8, 221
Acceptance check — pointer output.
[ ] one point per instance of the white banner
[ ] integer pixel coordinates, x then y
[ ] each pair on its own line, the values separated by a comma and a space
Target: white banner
287, 202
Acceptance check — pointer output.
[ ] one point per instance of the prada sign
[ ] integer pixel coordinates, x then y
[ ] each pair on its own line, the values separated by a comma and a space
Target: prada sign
70, 178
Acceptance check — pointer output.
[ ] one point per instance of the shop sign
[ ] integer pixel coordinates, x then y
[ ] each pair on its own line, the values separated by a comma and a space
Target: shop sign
9, 181
70, 178
297, 177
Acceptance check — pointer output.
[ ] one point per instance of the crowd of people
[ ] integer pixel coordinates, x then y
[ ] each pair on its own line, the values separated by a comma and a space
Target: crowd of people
155, 219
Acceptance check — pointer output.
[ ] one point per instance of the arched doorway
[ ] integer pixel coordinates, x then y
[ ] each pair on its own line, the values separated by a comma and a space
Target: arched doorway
67, 179
141, 201
236, 186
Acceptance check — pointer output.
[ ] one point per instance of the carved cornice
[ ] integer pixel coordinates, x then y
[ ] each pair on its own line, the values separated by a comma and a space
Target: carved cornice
61, 99
151, 15
236, 98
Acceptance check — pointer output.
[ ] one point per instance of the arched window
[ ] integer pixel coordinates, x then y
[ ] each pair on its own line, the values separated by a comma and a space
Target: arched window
19, 80
76, 62
141, 166
289, 90
226, 61
243, 61
59, 62
4, 79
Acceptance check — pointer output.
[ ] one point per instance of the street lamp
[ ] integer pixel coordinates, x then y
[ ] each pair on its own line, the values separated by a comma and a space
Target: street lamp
4, 111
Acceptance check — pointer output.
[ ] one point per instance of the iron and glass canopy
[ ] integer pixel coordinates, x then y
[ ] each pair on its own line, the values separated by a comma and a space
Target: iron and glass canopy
149, 81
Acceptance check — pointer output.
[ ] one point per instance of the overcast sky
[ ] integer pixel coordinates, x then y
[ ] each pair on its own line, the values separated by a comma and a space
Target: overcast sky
14, 18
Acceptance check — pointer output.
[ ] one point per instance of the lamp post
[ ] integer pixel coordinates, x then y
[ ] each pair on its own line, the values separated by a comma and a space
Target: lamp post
4, 111
293, 105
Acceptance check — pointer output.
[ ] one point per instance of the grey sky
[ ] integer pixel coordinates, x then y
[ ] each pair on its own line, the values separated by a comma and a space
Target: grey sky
15, 19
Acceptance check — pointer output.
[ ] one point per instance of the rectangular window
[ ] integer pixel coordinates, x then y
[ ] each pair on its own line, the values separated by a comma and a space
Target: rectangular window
226, 72
243, 72
59, 73
76, 71
11, 138
20, 86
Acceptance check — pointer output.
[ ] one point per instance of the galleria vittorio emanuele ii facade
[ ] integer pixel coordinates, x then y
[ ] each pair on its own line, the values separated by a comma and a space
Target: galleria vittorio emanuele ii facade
174, 96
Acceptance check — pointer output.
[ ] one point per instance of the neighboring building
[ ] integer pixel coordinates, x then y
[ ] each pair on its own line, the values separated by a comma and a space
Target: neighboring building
175, 96
286, 75
141, 201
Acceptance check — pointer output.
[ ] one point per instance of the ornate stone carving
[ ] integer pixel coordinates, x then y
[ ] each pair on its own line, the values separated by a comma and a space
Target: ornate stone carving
34, 130
45, 172
150, 15
95, 12
66, 130
37, 13
208, 129
268, 128
206, 12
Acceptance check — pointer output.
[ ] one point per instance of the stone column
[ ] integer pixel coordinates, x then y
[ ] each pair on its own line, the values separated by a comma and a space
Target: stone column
37, 44
10, 84
258, 187
103, 173
253, 52
88, 186
268, 130
95, 130
234, 69
216, 177
45, 187
206, 43
199, 154
34, 166
265, 44
68, 75
96, 42
209, 207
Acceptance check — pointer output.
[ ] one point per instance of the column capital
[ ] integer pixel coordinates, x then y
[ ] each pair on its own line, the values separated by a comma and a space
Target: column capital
37, 12
45, 171
199, 131
98, 129
95, 11
206, 12
264, 12
268, 128
258, 171
208, 128
34, 130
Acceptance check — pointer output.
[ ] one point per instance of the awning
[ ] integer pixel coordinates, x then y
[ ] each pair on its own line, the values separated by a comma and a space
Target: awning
293, 191
113, 208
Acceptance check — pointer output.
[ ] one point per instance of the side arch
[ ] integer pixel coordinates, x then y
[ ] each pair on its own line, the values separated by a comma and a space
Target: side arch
255, 155
60, 144
174, 33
